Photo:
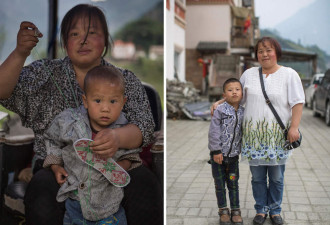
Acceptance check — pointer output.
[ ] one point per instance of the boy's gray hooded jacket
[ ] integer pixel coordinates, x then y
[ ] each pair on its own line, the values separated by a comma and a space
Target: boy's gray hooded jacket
98, 197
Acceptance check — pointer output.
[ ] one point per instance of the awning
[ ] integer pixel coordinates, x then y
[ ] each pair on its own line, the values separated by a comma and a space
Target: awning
240, 12
211, 46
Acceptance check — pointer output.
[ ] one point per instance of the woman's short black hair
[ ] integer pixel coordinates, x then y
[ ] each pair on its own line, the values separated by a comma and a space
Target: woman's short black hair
89, 12
273, 43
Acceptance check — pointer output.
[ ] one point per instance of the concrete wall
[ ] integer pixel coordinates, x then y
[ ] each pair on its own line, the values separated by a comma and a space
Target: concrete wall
207, 23
194, 71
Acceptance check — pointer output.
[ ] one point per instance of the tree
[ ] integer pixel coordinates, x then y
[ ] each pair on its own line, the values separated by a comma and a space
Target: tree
143, 33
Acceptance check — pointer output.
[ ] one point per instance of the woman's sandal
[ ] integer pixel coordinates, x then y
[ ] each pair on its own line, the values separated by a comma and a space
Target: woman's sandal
224, 216
236, 217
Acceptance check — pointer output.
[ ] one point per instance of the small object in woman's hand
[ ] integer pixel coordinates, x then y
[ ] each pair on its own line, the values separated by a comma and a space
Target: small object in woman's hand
36, 32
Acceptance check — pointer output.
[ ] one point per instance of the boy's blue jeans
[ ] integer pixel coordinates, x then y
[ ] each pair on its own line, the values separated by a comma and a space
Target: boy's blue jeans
73, 216
222, 174
268, 197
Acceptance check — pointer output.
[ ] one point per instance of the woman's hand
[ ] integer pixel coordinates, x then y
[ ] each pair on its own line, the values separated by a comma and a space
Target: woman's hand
106, 143
293, 134
27, 38
214, 105
218, 158
60, 174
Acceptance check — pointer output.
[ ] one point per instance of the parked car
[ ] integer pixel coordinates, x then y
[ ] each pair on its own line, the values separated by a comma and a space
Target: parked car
310, 89
321, 100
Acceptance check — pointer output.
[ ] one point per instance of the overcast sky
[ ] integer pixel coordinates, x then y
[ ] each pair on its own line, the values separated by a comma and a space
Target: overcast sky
273, 12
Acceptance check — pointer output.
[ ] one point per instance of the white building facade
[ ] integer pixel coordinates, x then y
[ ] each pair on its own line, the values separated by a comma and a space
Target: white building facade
175, 39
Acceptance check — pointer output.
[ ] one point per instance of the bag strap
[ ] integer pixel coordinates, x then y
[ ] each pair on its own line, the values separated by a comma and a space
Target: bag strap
268, 101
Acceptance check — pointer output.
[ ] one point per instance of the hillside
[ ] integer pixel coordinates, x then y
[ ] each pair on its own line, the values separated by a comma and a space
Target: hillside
118, 13
309, 26
146, 31
323, 59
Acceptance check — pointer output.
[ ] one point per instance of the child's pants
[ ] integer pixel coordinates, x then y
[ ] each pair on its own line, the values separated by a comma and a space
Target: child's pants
73, 216
222, 174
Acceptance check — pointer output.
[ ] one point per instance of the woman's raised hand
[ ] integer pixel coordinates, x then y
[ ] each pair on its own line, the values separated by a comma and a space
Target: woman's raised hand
27, 38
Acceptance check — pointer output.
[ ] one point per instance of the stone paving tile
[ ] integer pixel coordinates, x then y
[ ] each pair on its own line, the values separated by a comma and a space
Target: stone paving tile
193, 212
190, 189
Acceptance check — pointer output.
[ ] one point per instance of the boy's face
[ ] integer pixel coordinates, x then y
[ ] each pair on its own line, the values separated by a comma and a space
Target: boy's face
233, 93
104, 102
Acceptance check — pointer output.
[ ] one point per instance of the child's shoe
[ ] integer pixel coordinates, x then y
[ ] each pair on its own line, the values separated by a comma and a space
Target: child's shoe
236, 217
224, 216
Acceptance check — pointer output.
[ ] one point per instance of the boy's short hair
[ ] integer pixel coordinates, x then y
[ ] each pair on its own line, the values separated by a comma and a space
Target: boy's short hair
230, 80
106, 73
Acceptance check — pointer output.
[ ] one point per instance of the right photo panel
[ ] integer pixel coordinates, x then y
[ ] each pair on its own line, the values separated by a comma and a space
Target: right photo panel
247, 112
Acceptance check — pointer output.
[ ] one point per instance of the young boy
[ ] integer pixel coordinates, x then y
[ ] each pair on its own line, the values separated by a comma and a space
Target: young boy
225, 143
89, 196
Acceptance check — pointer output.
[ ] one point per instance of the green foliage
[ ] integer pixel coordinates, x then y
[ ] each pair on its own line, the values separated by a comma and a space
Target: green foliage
148, 71
143, 33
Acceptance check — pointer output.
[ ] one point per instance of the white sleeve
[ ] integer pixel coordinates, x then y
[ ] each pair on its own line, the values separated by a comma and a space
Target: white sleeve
296, 93
242, 80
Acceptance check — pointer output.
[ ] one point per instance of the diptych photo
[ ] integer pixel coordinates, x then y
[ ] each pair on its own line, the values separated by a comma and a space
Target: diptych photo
164, 112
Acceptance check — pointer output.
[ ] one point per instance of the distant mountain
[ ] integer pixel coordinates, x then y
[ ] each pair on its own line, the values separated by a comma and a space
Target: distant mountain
156, 13
146, 31
118, 13
309, 26
323, 59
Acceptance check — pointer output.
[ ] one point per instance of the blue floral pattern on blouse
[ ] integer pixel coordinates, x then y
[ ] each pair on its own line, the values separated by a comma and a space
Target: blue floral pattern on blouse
262, 143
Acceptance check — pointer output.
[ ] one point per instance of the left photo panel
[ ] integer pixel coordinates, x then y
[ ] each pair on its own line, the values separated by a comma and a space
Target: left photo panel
81, 112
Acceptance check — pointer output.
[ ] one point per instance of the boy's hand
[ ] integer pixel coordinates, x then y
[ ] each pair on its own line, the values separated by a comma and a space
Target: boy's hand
60, 174
27, 38
218, 158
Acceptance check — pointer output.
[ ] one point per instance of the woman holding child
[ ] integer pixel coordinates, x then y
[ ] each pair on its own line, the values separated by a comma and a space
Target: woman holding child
33, 93
263, 140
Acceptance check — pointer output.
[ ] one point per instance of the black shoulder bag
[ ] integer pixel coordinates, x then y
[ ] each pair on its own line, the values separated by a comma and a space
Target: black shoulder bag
288, 145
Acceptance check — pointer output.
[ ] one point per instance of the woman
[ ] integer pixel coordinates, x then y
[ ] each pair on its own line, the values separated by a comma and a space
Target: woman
263, 140
40, 91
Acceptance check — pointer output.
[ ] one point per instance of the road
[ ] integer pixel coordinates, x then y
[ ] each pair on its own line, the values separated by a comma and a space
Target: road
190, 196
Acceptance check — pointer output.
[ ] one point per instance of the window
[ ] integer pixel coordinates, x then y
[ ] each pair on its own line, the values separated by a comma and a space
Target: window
176, 63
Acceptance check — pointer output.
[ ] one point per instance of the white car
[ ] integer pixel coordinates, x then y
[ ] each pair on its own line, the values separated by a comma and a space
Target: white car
310, 89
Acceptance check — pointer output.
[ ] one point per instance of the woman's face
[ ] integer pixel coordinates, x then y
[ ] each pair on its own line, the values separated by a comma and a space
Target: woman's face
266, 55
85, 54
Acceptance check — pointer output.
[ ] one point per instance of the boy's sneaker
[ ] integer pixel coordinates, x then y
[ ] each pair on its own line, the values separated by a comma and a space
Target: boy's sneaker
224, 216
259, 219
236, 217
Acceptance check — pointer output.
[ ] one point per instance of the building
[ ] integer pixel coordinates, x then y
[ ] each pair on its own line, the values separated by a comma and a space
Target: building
123, 50
175, 39
156, 52
220, 38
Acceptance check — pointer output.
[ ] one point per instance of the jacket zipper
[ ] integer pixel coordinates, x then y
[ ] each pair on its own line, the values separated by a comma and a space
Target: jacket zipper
232, 141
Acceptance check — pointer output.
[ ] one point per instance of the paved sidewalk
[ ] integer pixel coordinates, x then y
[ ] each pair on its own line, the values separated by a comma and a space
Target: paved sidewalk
190, 197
